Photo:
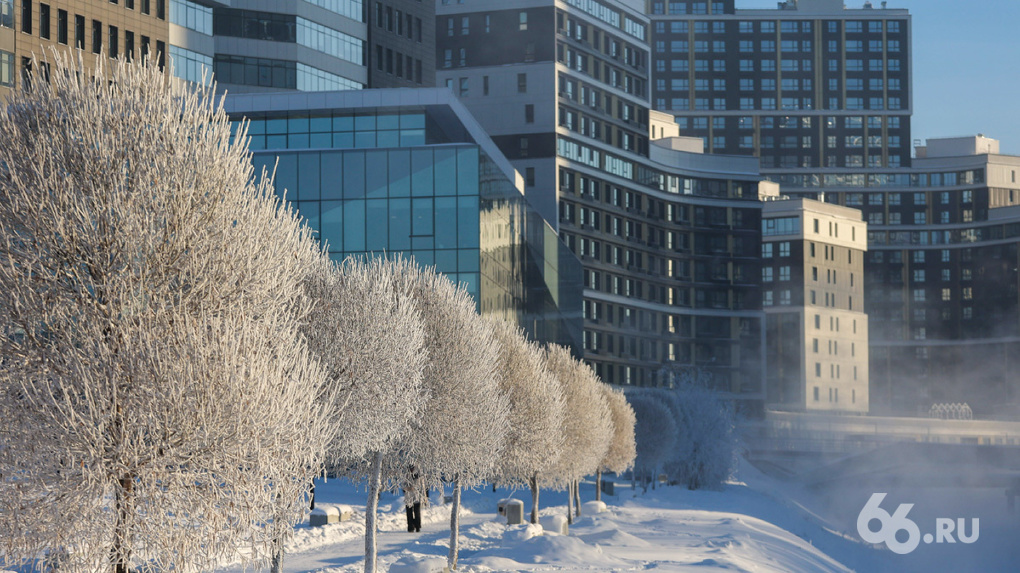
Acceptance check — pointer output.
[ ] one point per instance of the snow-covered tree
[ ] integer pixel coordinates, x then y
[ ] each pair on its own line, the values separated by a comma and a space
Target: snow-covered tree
586, 424
535, 439
158, 403
367, 331
707, 443
462, 427
622, 449
655, 432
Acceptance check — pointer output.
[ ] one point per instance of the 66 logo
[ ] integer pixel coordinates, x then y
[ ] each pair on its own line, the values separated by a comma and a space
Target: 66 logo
890, 525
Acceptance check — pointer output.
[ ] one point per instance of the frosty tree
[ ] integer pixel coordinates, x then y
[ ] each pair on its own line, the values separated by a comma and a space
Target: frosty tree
707, 443
655, 433
462, 426
366, 329
620, 455
535, 440
586, 424
158, 403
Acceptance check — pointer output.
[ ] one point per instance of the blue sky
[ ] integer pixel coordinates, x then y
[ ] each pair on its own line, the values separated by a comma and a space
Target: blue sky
966, 58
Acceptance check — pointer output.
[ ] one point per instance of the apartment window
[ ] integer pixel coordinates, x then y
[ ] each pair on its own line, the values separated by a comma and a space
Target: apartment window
79, 32
146, 7
62, 26
522, 80
161, 9
463, 87
529, 113
114, 43
523, 21
6, 69
44, 21
97, 36
161, 53
485, 85
129, 45
26, 16
145, 48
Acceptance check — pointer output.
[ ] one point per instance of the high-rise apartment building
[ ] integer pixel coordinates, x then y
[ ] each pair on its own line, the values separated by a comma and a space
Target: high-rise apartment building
813, 296
941, 274
669, 237
304, 45
810, 85
127, 28
401, 43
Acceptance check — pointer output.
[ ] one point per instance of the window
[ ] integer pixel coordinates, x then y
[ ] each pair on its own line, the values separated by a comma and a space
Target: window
97, 36
62, 26
114, 43
44, 21
522, 80
523, 21
79, 32
6, 69
26, 16
529, 113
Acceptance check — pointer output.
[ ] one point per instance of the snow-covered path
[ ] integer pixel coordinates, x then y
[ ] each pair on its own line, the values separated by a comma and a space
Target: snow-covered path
665, 530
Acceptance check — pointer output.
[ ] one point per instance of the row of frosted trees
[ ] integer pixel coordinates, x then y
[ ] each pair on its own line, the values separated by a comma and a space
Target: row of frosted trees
684, 431
180, 361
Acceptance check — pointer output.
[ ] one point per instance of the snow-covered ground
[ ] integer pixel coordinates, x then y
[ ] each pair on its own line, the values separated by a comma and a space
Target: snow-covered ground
740, 528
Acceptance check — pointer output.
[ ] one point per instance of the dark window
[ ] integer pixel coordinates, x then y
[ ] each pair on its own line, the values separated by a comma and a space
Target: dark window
146, 7
79, 32
379, 58
145, 48
417, 71
529, 113
417, 28
26, 16
255, 71
485, 85
522, 83
161, 53
129, 4
97, 36
389, 61
255, 25
161, 9
62, 26
379, 14
529, 176
114, 43
44, 21
129, 45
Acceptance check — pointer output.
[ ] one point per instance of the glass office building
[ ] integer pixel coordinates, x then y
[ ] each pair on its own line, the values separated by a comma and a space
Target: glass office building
411, 173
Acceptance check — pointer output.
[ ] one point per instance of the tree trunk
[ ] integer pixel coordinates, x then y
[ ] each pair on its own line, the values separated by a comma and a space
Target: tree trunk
598, 485
454, 525
277, 564
570, 502
312, 503
371, 508
577, 498
534, 498
120, 554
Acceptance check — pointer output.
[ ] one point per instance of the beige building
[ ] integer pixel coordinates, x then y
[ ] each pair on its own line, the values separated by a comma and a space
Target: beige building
128, 28
813, 297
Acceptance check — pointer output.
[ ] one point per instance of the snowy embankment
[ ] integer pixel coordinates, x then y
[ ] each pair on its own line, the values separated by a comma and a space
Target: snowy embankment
669, 529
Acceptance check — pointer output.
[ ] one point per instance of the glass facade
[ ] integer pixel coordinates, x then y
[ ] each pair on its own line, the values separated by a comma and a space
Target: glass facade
395, 182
